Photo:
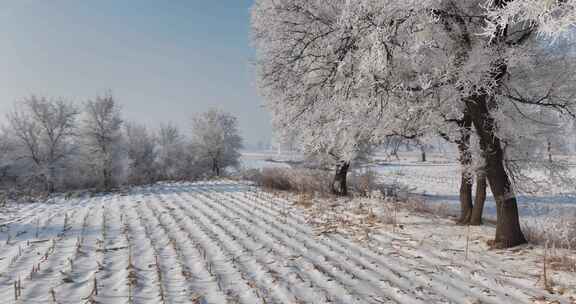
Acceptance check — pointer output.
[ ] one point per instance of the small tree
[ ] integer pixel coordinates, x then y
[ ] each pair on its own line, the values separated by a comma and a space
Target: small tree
8, 159
334, 146
216, 139
102, 135
141, 150
171, 152
44, 129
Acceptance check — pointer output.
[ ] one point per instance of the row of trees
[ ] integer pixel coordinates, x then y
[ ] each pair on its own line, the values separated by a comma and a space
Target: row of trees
343, 75
54, 145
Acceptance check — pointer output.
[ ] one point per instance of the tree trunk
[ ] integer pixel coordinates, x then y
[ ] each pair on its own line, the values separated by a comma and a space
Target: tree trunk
508, 231
107, 172
50, 185
422, 154
215, 167
106, 183
465, 199
395, 154
549, 151
339, 186
465, 160
479, 200
50, 188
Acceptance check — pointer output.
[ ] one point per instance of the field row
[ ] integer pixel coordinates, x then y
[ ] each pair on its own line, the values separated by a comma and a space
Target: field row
221, 242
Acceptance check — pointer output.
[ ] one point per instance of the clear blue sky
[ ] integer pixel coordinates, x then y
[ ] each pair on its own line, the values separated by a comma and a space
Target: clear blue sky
163, 60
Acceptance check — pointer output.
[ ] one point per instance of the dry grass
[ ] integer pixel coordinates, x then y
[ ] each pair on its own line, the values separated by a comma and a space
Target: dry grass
560, 234
364, 184
559, 238
304, 200
293, 180
317, 182
419, 205
562, 261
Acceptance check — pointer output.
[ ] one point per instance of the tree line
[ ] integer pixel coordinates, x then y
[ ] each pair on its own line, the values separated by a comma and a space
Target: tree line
51, 144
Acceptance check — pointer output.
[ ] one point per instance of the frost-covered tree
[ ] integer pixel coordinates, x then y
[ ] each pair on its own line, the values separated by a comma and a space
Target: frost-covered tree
216, 140
306, 75
8, 160
142, 153
328, 147
471, 168
553, 18
102, 138
432, 61
44, 129
326, 142
172, 152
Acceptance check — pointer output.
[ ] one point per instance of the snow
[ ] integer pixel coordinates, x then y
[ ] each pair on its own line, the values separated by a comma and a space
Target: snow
438, 181
263, 159
227, 242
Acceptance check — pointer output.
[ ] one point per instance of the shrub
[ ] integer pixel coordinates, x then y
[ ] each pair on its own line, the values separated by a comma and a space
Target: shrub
288, 179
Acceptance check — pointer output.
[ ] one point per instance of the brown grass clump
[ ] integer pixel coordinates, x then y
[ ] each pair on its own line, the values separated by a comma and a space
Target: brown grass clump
418, 205
559, 238
295, 180
304, 200
562, 262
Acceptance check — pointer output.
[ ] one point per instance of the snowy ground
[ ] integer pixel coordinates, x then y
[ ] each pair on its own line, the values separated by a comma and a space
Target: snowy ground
438, 180
261, 159
222, 242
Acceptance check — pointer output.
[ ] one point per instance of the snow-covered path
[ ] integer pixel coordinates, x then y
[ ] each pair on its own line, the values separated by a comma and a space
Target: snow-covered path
223, 242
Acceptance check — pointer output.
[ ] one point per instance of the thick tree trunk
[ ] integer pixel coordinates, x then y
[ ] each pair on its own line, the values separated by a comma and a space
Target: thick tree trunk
339, 186
479, 200
465, 199
465, 160
508, 231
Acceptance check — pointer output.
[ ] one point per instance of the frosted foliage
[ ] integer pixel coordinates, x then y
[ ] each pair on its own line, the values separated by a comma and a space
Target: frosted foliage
42, 130
171, 152
141, 150
554, 18
339, 73
315, 81
216, 139
102, 139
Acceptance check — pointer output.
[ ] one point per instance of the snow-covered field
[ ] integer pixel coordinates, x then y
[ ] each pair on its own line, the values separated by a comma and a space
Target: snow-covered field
224, 242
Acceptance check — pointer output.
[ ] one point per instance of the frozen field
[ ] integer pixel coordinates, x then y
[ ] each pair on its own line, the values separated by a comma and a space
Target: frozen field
223, 242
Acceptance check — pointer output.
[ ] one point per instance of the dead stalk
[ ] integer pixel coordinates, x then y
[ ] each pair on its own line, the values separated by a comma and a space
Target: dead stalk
544, 269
